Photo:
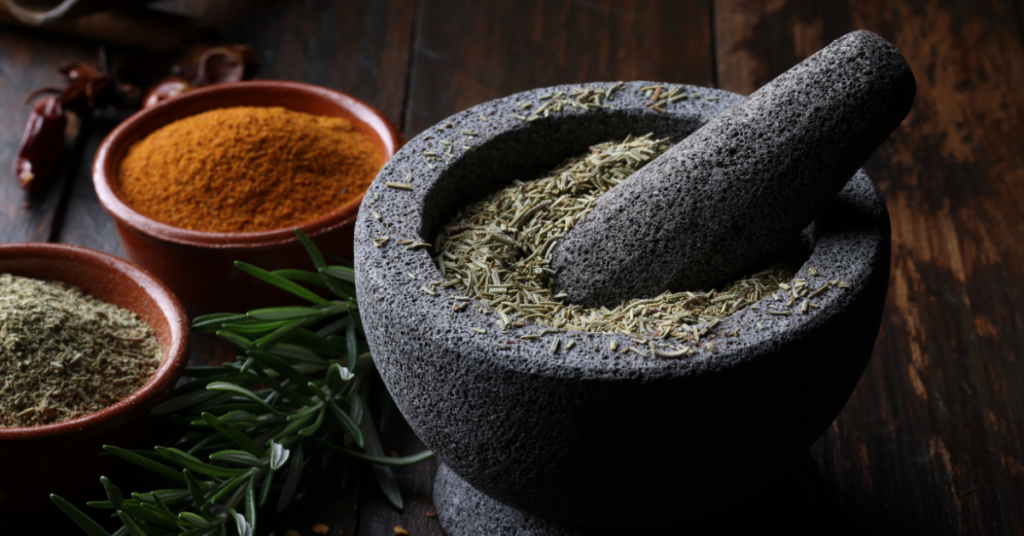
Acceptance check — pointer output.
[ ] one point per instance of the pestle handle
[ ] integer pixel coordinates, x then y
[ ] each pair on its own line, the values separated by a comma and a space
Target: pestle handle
744, 185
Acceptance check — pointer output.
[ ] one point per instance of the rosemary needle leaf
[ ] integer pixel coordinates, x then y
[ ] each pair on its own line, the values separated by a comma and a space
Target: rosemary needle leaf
294, 468
309, 430
280, 333
114, 494
353, 345
233, 434
150, 514
385, 478
238, 456
334, 327
317, 343
211, 323
311, 249
194, 488
85, 522
378, 460
250, 502
235, 389
145, 463
278, 456
104, 505
194, 520
265, 491
343, 273
337, 377
284, 313
342, 291
297, 353
225, 489
188, 461
236, 339
281, 283
300, 275
347, 423
295, 426
283, 390
244, 527
129, 525
284, 369
254, 327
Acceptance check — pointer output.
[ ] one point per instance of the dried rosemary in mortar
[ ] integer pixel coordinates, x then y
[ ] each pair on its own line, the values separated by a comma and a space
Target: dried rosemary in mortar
497, 250
64, 354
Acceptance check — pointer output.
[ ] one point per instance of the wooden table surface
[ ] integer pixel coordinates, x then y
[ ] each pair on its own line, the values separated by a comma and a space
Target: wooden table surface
932, 441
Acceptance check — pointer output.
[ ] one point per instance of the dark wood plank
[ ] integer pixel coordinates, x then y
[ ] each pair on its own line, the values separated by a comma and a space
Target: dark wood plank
84, 222
471, 52
29, 60
360, 47
932, 441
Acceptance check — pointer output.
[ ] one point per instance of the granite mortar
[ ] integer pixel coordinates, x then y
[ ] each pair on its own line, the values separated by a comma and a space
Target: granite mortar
592, 437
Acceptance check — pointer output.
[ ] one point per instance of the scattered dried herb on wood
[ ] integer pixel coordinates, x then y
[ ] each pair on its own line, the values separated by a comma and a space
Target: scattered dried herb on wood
64, 354
247, 169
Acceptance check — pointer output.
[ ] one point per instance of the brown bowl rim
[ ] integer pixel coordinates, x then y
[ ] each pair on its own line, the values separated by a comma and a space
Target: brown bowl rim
163, 379
122, 212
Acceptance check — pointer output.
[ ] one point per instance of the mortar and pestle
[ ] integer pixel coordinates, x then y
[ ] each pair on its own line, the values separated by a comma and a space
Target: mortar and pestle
540, 443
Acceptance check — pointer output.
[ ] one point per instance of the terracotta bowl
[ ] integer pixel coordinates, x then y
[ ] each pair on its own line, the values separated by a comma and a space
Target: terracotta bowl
61, 458
198, 266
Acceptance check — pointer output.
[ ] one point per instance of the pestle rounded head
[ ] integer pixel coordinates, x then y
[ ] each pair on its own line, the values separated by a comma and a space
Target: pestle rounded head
735, 192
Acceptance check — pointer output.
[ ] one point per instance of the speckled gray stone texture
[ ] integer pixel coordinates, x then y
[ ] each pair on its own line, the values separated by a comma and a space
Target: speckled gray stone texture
732, 195
590, 436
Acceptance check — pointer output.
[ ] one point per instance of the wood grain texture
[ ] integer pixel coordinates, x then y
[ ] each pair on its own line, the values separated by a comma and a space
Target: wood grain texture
29, 61
932, 440
358, 47
84, 222
471, 52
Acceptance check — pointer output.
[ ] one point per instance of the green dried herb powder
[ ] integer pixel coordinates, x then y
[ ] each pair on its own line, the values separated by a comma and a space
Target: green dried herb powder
497, 250
64, 354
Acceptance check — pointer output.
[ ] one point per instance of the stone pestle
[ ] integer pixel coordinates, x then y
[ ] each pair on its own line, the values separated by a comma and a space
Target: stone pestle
735, 192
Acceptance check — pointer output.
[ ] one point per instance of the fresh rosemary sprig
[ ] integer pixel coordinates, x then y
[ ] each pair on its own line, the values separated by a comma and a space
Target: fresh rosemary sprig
298, 395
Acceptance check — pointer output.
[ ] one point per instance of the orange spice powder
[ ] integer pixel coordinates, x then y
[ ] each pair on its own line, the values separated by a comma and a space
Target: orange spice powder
247, 169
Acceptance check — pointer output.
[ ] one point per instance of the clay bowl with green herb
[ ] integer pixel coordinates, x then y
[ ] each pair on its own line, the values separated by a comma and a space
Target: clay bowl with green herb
603, 416
89, 344
224, 173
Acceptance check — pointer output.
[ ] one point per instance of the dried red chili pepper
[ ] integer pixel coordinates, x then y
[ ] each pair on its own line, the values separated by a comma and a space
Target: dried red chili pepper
90, 88
42, 144
168, 88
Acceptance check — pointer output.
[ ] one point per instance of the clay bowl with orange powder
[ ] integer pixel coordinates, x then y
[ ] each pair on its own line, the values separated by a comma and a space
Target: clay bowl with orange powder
192, 246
